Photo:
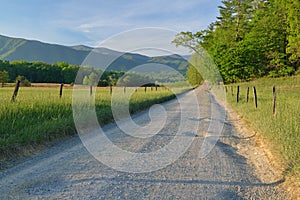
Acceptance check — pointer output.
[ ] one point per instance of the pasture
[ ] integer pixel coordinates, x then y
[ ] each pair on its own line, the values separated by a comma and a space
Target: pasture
38, 115
282, 129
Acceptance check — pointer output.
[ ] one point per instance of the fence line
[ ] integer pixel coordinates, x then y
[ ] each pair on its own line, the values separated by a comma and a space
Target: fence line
62, 86
255, 96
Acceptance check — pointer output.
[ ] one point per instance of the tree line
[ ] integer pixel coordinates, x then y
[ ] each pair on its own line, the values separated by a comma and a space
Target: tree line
62, 72
251, 39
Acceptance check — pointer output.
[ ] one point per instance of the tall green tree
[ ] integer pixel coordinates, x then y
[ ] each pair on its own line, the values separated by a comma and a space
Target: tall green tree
222, 39
293, 21
4, 77
93, 77
267, 40
23, 81
251, 38
86, 80
194, 77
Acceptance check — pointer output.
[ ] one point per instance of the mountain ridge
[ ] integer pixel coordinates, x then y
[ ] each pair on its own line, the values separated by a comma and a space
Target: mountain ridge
33, 50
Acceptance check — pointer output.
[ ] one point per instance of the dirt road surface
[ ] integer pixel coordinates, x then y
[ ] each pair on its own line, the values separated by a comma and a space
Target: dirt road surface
67, 170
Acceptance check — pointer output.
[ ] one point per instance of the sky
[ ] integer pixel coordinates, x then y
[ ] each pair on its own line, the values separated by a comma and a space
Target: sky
88, 22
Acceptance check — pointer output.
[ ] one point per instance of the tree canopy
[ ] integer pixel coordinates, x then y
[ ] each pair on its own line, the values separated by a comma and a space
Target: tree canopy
251, 39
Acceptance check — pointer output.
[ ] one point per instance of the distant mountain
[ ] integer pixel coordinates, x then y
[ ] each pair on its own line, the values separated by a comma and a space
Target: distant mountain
31, 50
21, 49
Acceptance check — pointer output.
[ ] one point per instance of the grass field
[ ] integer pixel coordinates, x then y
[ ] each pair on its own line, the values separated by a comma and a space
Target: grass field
39, 115
282, 131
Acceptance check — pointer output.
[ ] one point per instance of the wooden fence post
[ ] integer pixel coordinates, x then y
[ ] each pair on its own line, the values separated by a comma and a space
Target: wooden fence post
124, 90
91, 90
255, 96
231, 90
110, 89
61, 90
237, 93
274, 100
247, 95
13, 98
145, 89
225, 88
156, 87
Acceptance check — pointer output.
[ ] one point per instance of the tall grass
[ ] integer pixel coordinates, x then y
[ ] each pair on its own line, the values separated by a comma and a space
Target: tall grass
39, 115
281, 130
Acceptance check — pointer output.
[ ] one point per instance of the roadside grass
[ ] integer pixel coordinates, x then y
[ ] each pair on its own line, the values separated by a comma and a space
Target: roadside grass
39, 115
282, 131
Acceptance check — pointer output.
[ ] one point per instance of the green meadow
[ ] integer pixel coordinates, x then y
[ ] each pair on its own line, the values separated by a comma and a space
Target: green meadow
281, 130
38, 115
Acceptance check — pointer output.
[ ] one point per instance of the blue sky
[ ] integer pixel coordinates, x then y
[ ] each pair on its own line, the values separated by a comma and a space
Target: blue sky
72, 22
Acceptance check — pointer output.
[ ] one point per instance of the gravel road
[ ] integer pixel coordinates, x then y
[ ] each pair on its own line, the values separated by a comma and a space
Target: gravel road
67, 170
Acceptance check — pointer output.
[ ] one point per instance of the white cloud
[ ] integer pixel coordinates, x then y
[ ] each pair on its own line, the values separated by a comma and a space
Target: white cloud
148, 41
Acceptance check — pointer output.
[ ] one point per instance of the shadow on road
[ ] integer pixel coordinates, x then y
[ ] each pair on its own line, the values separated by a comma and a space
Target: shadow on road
203, 182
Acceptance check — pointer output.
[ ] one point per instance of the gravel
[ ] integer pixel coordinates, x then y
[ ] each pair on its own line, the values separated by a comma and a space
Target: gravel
68, 171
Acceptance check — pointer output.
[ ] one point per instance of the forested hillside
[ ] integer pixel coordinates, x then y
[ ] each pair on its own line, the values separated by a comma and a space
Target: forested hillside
12, 49
251, 39
20, 49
